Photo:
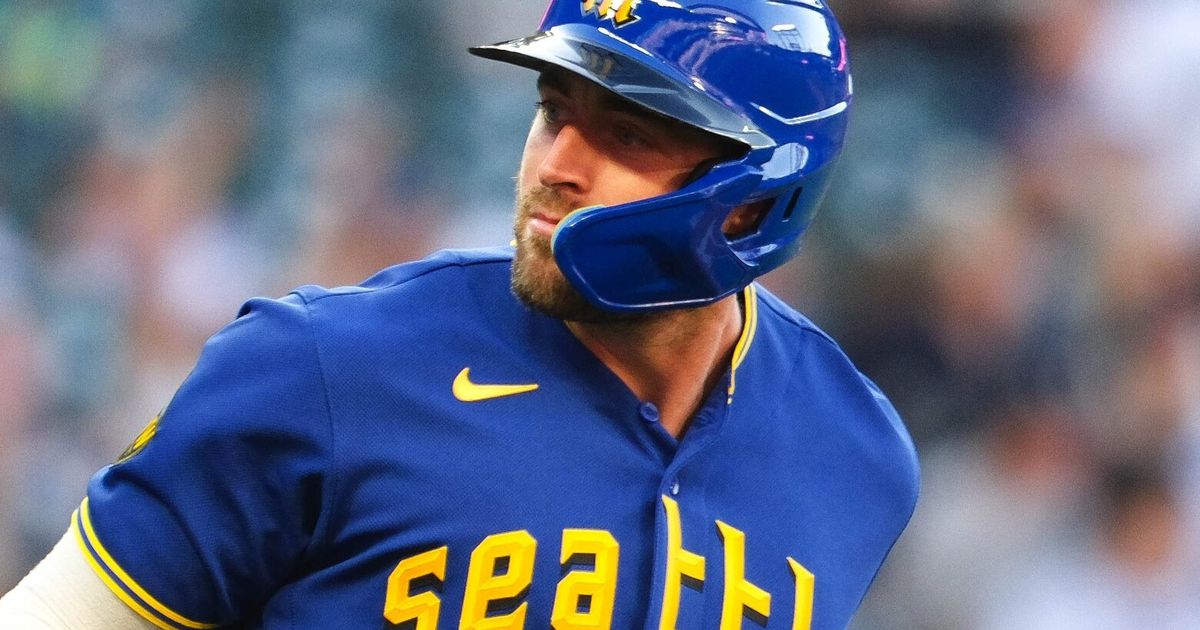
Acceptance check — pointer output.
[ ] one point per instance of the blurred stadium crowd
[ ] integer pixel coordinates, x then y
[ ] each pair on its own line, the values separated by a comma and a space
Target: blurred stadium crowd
1011, 250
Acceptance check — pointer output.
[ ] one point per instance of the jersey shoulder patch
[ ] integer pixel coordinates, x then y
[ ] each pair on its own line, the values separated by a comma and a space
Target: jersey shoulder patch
140, 441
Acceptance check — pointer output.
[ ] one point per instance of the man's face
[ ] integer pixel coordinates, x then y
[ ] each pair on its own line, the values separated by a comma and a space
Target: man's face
589, 147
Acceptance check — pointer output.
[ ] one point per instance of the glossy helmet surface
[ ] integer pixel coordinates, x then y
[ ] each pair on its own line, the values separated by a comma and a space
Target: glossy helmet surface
770, 74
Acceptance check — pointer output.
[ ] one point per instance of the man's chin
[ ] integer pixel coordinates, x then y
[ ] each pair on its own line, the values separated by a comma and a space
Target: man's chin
540, 285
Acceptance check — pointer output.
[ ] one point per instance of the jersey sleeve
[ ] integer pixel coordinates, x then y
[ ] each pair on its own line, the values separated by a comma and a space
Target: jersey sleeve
221, 498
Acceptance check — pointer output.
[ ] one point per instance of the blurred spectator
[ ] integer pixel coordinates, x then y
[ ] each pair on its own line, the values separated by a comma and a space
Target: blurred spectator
24, 372
50, 62
1068, 277
1131, 572
360, 219
990, 506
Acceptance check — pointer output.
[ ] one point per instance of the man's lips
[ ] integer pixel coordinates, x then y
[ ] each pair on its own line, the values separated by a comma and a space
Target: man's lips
543, 224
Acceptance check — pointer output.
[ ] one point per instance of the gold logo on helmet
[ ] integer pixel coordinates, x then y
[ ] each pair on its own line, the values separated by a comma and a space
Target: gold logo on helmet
621, 12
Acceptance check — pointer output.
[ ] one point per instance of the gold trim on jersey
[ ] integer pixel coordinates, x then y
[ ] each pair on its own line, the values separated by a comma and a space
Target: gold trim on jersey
749, 327
103, 563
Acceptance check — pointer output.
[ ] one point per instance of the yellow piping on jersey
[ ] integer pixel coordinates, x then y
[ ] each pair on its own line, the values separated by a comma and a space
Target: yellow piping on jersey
124, 577
749, 327
108, 581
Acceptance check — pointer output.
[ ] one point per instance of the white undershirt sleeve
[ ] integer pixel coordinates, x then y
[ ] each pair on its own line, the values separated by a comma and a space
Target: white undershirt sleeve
63, 593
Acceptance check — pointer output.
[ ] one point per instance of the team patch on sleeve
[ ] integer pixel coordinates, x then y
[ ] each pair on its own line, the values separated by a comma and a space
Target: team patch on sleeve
140, 441
120, 583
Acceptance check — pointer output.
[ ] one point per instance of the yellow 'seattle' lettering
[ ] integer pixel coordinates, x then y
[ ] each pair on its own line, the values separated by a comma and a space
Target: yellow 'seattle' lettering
599, 585
681, 563
739, 592
423, 608
500, 577
805, 583
518, 549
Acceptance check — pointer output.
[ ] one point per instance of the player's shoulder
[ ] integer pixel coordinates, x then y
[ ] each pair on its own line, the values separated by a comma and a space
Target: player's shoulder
786, 327
787, 320
442, 270
822, 373
449, 287
462, 285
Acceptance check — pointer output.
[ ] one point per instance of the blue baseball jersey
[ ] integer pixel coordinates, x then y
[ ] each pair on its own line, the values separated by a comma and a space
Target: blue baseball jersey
424, 451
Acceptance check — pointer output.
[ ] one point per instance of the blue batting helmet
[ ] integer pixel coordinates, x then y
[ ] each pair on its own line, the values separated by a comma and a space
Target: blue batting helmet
770, 74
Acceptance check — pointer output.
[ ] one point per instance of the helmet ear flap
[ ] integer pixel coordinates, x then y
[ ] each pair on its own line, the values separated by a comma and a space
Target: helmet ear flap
745, 219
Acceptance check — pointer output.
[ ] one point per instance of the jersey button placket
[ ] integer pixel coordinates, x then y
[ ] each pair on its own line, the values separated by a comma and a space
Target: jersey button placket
649, 412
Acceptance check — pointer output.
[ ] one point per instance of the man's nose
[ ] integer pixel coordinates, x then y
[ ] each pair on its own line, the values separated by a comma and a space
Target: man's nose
571, 162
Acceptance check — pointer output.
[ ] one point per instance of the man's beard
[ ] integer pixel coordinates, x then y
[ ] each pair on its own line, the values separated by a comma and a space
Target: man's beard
536, 278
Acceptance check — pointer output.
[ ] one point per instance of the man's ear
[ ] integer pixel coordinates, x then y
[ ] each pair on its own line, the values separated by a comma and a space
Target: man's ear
745, 219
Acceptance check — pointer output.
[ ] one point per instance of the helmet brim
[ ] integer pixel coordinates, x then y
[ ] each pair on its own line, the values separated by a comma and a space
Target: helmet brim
603, 58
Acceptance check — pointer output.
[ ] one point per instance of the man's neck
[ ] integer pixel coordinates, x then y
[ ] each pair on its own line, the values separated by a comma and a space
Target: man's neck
673, 359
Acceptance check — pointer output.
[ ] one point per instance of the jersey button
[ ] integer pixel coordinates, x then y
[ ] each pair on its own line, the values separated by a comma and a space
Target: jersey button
648, 412
675, 488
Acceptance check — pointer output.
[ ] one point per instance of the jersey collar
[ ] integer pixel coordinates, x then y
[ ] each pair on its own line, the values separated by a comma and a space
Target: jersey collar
749, 327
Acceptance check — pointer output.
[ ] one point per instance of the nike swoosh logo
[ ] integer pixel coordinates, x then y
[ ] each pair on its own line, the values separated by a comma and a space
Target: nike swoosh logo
467, 391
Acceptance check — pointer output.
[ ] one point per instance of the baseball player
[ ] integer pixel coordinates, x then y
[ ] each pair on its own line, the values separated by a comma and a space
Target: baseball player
608, 425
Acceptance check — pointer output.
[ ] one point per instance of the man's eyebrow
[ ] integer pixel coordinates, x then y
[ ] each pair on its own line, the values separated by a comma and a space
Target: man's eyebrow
614, 103
617, 104
610, 101
553, 81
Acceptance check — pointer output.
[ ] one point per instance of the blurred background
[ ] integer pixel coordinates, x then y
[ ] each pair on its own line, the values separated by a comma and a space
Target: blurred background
1011, 250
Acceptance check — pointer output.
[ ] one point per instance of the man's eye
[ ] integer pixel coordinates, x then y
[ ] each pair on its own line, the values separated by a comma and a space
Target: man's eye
549, 111
628, 136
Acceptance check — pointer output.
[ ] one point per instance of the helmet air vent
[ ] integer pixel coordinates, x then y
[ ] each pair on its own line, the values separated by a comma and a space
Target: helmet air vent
791, 207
